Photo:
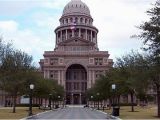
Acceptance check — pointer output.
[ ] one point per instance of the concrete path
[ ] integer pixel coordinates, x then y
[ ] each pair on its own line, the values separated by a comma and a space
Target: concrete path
73, 112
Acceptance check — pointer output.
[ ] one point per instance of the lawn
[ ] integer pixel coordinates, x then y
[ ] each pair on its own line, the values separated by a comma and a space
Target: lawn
21, 112
147, 112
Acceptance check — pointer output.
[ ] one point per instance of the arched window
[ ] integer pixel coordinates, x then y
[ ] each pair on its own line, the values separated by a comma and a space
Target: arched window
89, 22
71, 20
76, 20
81, 20
66, 21
85, 21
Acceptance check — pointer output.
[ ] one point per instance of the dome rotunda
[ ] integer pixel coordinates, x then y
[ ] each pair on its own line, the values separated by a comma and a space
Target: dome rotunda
76, 7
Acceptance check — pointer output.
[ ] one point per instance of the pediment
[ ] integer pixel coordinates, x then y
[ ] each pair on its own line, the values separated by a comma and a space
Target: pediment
76, 41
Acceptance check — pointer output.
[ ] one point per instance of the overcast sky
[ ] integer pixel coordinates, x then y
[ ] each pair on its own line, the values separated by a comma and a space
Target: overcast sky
30, 24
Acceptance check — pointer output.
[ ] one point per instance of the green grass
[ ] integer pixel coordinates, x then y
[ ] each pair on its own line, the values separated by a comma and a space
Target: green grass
21, 112
148, 112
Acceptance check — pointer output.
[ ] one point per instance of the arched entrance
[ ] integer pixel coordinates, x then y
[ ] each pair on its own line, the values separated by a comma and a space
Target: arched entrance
76, 84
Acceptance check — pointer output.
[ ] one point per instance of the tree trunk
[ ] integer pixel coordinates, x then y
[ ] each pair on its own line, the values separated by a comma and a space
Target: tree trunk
158, 100
110, 103
14, 103
39, 102
118, 101
132, 102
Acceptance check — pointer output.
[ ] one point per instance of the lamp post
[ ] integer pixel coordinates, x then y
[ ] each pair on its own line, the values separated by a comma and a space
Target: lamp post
59, 100
113, 89
91, 100
115, 111
98, 99
50, 95
30, 104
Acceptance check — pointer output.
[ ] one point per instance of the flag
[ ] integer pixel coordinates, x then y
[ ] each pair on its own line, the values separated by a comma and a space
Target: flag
73, 25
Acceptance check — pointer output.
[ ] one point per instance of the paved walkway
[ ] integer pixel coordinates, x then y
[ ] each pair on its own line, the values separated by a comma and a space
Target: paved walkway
73, 112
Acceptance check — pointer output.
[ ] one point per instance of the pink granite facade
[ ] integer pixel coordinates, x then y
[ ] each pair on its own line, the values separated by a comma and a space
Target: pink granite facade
76, 61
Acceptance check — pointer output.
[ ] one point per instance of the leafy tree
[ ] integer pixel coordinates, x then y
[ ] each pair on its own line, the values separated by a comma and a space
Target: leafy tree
151, 38
14, 66
132, 74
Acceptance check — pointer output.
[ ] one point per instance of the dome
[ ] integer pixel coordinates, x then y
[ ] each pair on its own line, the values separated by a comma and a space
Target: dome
76, 7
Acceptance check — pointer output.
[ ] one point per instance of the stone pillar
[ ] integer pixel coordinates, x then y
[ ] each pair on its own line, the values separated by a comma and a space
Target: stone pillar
48, 74
72, 98
79, 34
61, 36
45, 72
59, 76
89, 79
56, 38
80, 98
66, 34
86, 34
72, 33
96, 37
63, 80
91, 36
93, 77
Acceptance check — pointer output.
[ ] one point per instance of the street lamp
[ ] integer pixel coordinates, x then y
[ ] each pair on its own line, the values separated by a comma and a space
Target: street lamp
113, 88
115, 111
59, 100
50, 95
31, 86
91, 100
98, 99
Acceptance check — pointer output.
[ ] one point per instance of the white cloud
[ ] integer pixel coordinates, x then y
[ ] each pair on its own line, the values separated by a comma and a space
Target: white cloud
115, 19
25, 39
8, 25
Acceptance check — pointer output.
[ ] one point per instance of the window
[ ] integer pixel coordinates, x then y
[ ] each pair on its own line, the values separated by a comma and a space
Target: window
85, 20
76, 20
66, 21
54, 61
71, 20
98, 74
61, 61
98, 61
81, 20
54, 74
46, 60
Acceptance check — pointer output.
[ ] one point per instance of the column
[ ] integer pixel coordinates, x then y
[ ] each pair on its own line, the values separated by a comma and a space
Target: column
91, 36
48, 75
72, 33
63, 81
56, 38
89, 79
80, 98
59, 76
72, 98
44, 73
61, 36
79, 32
93, 77
96, 37
66, 34
86, 34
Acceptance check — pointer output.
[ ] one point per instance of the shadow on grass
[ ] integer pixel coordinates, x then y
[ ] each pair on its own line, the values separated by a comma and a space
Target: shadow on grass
133, 111
156, 117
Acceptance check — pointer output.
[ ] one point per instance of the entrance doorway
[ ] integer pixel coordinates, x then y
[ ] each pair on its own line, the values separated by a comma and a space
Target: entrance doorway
76, 84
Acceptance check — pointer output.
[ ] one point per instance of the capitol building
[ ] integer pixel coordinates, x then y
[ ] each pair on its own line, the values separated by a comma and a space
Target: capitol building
76, 61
